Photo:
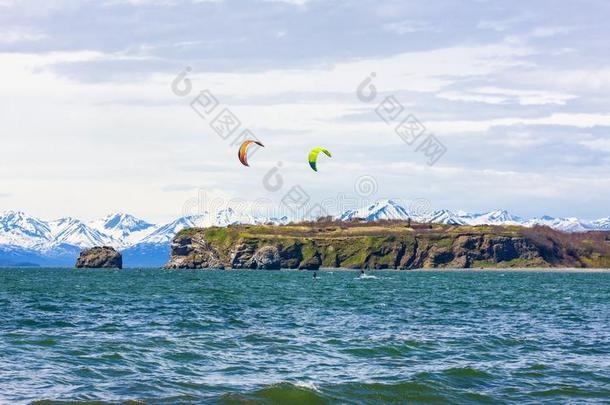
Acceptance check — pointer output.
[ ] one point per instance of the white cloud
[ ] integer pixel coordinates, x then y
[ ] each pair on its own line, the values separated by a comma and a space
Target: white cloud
293, 2
74, 146
13, 35
411, 71
600, 144
501, 25
496, 95
162, 3
472, 96
579, 120
550, 31
567, 80
408, 26
518, 139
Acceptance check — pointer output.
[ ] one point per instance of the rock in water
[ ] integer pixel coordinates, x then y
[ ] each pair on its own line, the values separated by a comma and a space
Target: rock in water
104, 257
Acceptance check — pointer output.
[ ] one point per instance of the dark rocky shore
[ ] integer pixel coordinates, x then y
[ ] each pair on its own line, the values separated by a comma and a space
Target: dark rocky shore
385, 245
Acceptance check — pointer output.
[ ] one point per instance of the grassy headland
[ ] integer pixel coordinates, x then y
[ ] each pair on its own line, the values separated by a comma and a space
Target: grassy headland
386, 245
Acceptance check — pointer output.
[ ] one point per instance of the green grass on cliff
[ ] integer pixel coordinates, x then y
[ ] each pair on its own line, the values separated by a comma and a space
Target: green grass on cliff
219, 235
374, 244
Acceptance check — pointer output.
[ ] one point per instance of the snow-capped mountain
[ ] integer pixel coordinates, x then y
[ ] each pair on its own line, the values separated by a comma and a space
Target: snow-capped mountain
19, 229
561, 224
228, 216
74, 232
23, 236
224, 217
445, 217
602, 224
120, 225
165, 233
496, 217
275, 221
388, 209
124, 229
383, 209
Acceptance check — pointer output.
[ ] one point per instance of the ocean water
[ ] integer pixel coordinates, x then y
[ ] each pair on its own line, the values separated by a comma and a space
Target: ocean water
249, 337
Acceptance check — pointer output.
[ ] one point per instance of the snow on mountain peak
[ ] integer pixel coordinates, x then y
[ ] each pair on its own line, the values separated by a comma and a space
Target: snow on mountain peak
22, 220
75, 232
561, 224
388, 209
496, 217
165, 233
224, 217
125, 223
124, 229
445, 217
229, 216
18, 228
601, 224
382, 209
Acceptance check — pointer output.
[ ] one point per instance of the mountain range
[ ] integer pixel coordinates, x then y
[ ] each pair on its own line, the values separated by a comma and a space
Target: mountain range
26, 240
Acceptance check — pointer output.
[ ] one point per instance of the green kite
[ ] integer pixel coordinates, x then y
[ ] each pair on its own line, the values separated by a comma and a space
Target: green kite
313, 156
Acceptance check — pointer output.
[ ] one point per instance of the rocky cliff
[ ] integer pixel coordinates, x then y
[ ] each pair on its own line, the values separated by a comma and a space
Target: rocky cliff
388, 245
100, 257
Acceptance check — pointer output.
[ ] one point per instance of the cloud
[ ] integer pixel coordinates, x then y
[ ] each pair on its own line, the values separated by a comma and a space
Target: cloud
495, 95
593, 79
409, 26
162, 3
600, 144
178, 187
550, 31
504, 24
14, 35
578, 120
293, 2
519, 103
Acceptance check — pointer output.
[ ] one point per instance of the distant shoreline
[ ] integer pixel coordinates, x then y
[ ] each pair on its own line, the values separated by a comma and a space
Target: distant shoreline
381, 245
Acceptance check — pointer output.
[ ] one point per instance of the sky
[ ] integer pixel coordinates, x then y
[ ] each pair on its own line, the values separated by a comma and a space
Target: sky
96, 115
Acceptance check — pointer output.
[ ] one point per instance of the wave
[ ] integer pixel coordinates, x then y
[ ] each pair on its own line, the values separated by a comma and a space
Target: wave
344, 393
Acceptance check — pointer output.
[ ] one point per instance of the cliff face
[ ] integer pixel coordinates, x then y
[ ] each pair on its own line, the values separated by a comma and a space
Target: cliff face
100, 257
385, 246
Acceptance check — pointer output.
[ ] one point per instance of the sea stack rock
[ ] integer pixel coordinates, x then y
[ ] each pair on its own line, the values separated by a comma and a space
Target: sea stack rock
100, 257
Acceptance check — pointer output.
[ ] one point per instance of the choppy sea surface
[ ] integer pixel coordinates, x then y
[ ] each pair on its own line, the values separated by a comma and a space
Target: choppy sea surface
249, 337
